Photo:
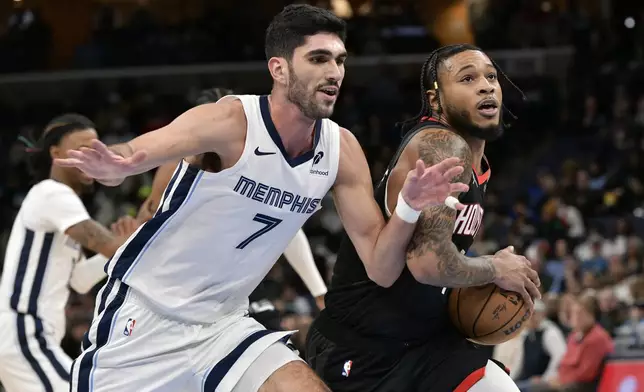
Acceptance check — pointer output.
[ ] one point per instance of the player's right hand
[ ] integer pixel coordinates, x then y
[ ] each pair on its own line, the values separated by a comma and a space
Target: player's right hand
101, 163
514, 273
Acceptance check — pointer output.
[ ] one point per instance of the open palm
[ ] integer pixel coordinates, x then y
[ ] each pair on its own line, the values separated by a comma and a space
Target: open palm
99, 162
430, 186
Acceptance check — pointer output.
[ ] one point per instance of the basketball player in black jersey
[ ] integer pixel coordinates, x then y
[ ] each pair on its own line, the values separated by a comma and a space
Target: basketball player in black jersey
399, 339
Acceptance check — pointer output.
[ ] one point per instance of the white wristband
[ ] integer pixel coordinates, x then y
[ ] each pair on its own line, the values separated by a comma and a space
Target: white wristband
405, 212
451, 202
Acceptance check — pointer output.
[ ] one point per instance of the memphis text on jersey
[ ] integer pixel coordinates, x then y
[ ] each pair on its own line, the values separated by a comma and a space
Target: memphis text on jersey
275, 197
468, 220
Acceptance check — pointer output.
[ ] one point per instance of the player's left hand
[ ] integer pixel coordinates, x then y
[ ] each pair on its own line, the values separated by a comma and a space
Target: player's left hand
125, 226
430, 186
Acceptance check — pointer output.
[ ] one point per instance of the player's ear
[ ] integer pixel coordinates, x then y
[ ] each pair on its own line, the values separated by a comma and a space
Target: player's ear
432, 97
55, 152
278, 67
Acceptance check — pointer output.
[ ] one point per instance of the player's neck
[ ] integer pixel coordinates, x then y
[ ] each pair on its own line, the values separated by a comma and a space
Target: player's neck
478, 150
295, 129
59, 175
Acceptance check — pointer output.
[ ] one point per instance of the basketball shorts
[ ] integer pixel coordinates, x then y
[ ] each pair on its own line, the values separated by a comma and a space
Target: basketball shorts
349, 363
31, 359
132, 348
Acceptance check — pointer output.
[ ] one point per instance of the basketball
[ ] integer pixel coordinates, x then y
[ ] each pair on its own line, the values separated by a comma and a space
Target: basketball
488, 315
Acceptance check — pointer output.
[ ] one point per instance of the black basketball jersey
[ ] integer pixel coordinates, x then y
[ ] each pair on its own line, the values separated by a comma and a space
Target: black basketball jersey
408, 311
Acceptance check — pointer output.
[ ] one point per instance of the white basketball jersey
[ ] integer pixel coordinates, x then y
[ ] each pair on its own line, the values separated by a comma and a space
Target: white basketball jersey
40, 258
216, 235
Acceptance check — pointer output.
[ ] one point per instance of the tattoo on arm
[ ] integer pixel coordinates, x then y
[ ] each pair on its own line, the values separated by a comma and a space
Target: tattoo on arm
94, 236
432, 239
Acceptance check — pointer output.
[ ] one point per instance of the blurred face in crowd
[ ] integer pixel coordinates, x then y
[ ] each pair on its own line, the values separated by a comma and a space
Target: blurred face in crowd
314, 74
606, 300
74, 141
470, 94
581, 320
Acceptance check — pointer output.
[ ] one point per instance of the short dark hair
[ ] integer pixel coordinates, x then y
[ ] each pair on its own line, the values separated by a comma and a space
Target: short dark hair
289, 29
74, 120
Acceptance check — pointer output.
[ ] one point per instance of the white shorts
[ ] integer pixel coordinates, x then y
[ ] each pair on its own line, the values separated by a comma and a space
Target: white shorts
30, 358
132, 348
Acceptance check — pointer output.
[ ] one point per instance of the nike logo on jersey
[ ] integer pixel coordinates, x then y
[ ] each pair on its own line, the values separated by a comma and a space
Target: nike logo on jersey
262, 153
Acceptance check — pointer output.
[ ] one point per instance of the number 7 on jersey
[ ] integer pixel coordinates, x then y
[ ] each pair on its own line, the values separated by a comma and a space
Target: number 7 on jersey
269, 223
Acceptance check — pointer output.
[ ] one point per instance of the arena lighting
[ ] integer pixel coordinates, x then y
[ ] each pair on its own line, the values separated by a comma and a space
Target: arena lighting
629, 22
342, 8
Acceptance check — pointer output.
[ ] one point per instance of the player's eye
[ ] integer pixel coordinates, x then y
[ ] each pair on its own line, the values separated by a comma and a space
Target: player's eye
492, 76
318, 60
467, 79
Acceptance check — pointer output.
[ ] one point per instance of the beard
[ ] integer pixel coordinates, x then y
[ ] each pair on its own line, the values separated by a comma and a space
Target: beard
299, 95
462, 122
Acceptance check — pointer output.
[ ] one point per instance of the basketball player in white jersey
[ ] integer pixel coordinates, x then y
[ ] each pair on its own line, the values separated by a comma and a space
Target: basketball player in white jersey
297, 253
172, 316
44, 258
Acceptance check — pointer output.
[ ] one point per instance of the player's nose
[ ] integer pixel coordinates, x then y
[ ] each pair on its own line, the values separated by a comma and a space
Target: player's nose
486, 89
334, 73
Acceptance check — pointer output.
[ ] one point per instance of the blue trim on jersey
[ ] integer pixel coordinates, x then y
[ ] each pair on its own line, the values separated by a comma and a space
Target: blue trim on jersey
101, 306
169, 188
23, 262
42, 342
219, 371
24, 347
39, 277
137, 246
272, 131
105, 325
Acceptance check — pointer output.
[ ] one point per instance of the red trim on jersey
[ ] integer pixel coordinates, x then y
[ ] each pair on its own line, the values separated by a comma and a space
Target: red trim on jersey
485, 176
471, 380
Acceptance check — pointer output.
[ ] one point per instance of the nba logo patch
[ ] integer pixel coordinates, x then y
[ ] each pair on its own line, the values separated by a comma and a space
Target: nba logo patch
129, 326
346, 369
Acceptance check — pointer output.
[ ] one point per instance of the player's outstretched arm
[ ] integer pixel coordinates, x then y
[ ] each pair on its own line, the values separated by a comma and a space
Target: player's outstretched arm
381, 246
205, 128
432, 257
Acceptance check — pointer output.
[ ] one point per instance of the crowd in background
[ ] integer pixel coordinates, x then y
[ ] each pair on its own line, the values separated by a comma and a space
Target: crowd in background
567, 186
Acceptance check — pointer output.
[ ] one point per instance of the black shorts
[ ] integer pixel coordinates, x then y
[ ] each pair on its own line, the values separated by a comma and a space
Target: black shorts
265, 313
434, 367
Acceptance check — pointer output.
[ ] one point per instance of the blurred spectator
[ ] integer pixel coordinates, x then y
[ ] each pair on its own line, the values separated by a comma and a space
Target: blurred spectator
539, 351
587, 348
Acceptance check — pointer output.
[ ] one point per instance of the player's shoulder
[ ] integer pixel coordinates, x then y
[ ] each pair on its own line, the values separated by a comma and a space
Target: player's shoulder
45, 196
347, 139
49, 188
432, 143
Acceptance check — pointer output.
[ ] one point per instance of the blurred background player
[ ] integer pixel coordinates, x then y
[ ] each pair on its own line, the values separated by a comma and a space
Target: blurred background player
400, 338
44, 259
298, 252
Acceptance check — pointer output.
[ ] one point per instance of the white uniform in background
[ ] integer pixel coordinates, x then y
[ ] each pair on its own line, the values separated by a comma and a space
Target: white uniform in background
173, 316
40, 265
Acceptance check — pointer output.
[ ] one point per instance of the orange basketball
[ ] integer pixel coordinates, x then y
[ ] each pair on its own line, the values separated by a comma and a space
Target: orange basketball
487, 314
